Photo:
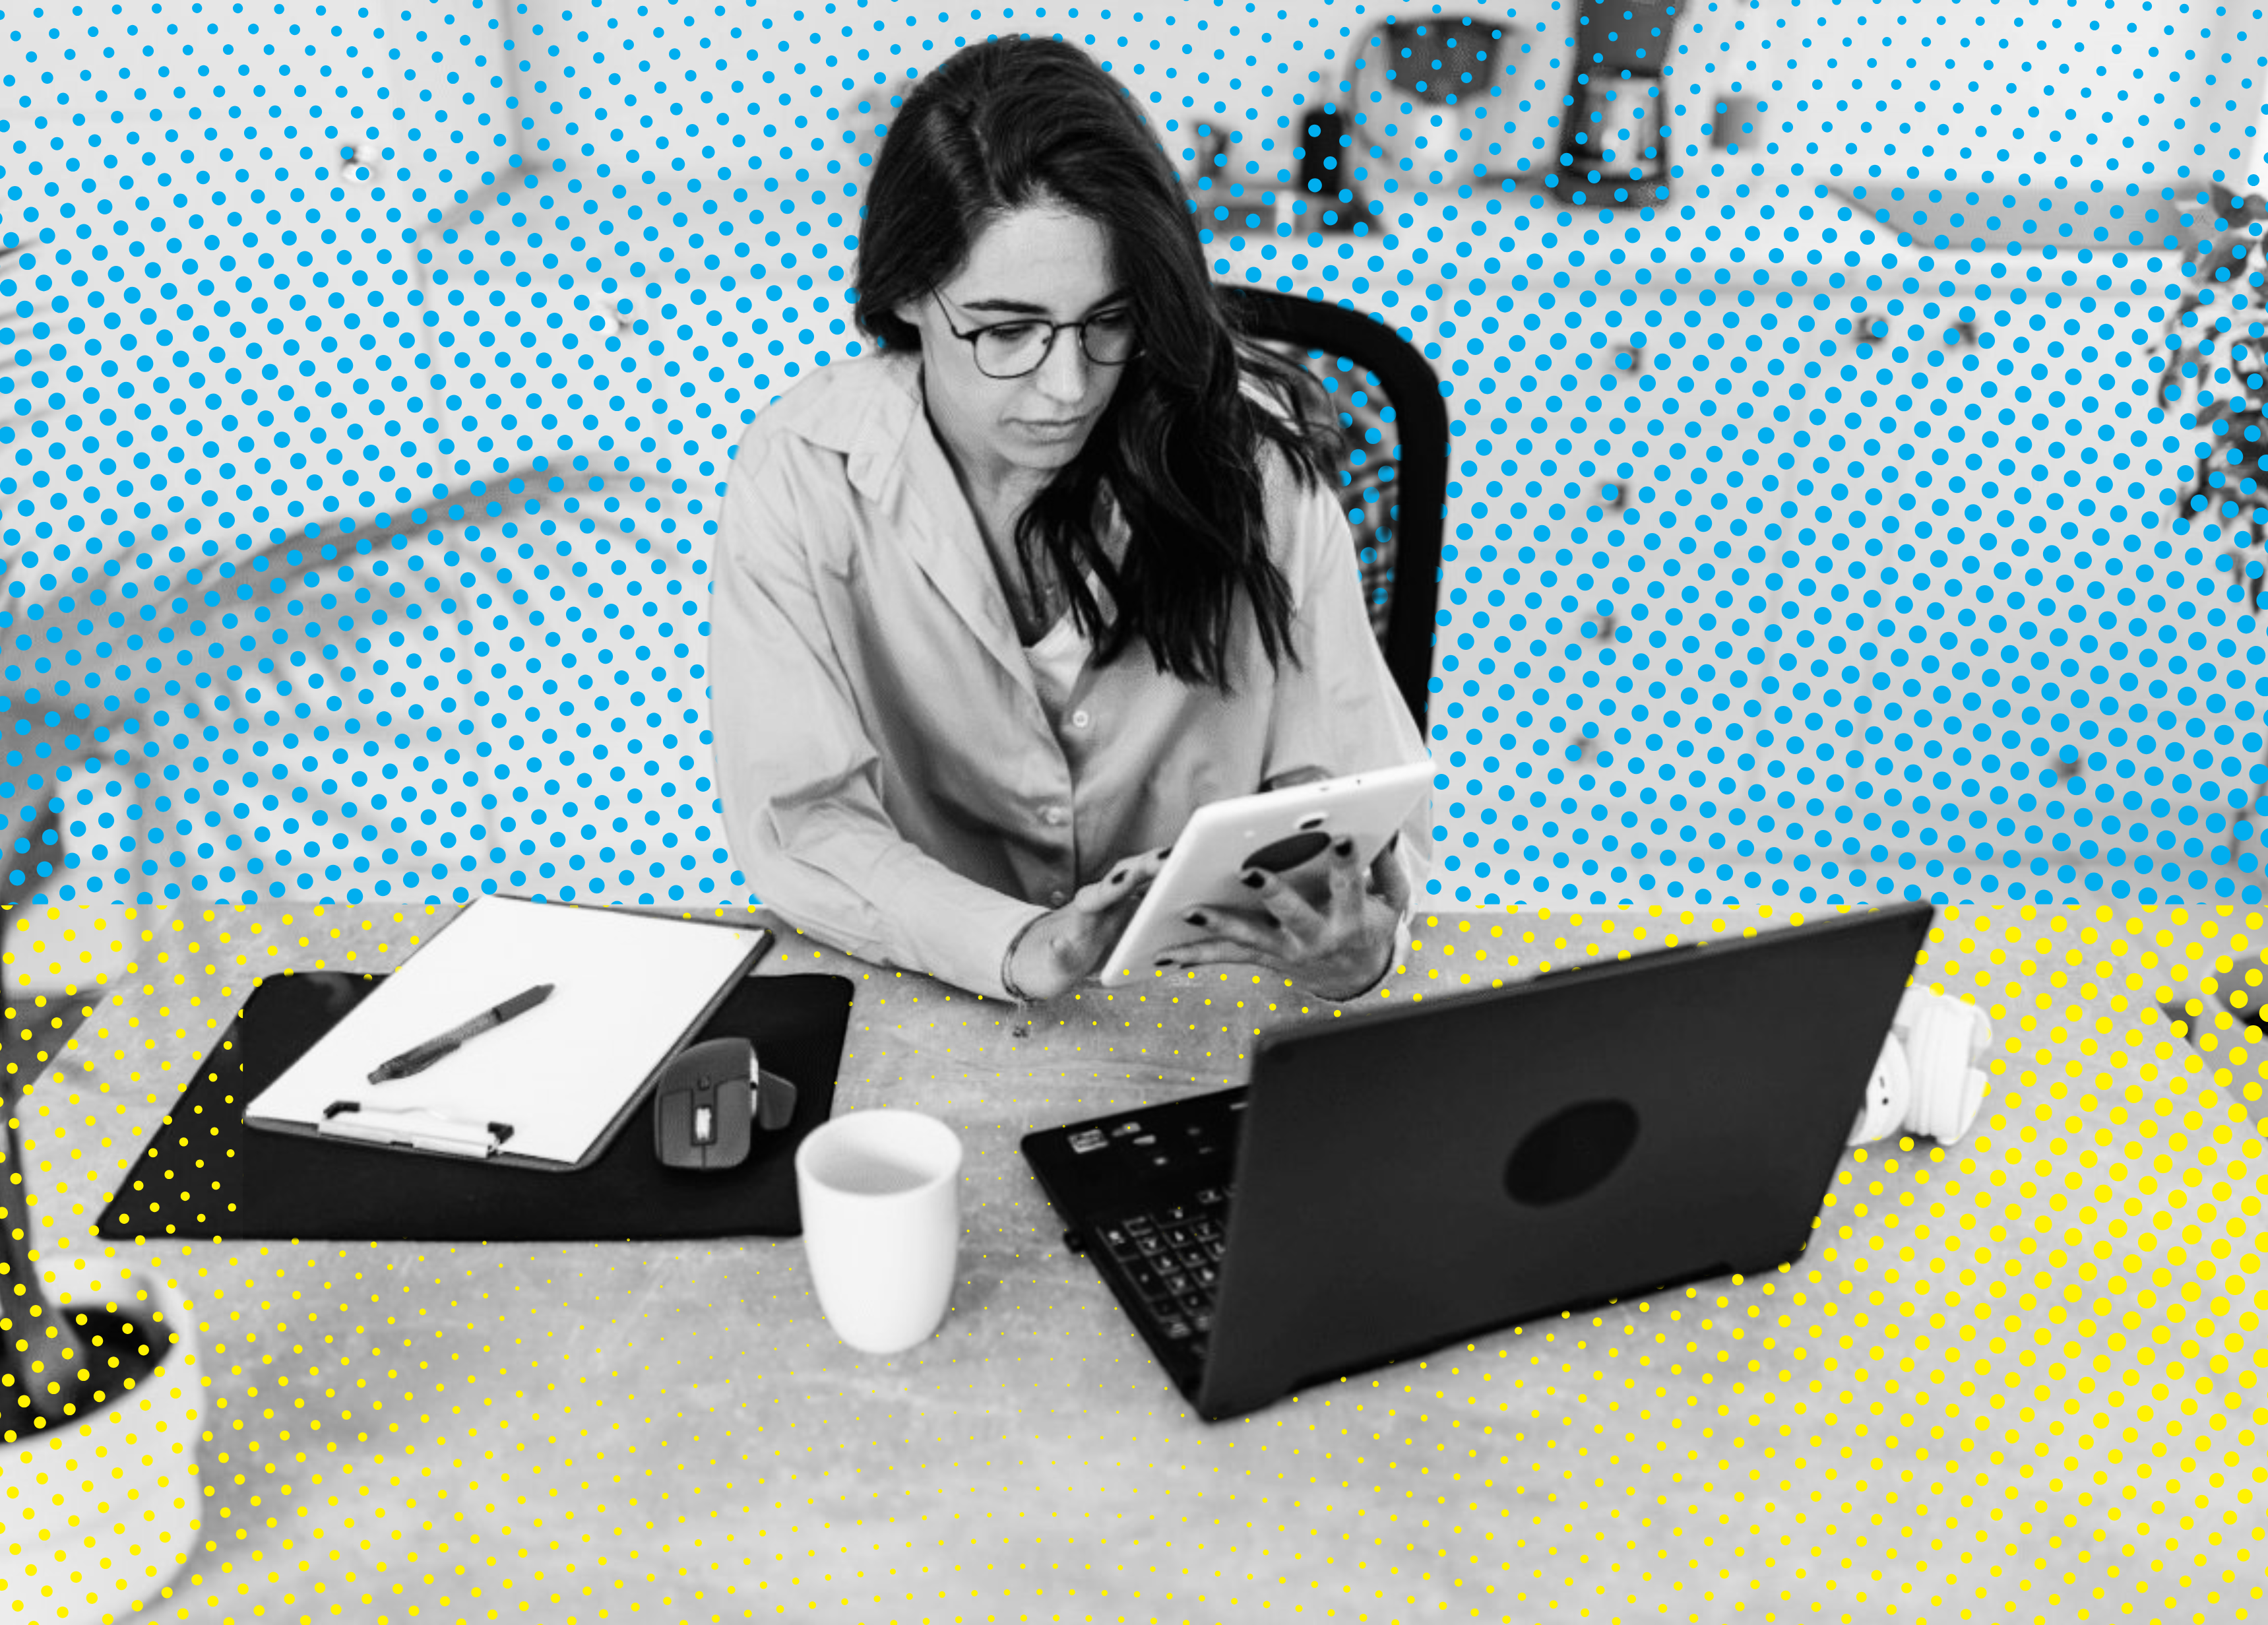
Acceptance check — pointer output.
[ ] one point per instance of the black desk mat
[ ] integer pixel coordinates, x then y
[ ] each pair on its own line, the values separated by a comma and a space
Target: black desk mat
205, 1175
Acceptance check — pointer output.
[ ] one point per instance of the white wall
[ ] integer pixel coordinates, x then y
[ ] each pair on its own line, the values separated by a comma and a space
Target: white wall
1987, 87
648, 295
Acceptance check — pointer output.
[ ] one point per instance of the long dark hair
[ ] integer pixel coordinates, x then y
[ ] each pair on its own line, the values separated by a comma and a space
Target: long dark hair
1009, 123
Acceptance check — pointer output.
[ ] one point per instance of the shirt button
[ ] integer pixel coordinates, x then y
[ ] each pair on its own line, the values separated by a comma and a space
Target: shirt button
1051, 817
1081, 719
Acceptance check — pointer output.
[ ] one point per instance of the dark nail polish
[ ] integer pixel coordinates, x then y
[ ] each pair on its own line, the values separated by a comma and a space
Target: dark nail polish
1164, 963
1195, 916
1344, 848
1117, 876
1254, 879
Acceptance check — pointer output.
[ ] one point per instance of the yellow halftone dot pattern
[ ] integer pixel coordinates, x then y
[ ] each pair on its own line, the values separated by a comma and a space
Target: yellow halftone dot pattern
2019, 1378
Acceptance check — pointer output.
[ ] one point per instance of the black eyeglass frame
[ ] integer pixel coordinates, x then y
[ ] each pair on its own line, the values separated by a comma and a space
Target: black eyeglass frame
1047, 349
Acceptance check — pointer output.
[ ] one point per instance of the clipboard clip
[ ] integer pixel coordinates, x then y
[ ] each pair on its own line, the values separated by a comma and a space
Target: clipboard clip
420, 1129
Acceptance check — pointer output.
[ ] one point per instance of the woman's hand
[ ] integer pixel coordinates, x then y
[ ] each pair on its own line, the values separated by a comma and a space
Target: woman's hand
1064, 948
1319, 923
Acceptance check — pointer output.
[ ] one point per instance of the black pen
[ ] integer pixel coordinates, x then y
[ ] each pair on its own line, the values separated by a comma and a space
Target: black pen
426, 1053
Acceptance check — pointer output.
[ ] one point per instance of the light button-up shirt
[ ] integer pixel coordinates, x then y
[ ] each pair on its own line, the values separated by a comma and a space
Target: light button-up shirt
891, 779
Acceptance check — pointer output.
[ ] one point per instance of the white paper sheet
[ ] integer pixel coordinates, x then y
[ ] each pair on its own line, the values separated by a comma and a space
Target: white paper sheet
626, 990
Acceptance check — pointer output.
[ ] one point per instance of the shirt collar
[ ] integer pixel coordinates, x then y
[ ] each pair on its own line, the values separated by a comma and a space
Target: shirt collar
869, 412
872, 411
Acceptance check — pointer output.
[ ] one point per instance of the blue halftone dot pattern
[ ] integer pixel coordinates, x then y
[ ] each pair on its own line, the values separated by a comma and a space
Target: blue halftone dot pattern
1853, 493
1816, 528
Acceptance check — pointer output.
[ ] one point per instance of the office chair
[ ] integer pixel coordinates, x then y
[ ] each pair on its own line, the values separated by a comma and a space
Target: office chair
1386, 403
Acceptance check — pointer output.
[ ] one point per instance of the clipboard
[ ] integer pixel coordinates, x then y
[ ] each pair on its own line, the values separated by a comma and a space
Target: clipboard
203, 1175
548, 1091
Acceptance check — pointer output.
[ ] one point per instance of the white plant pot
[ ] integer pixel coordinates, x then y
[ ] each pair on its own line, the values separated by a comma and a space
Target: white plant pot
97, 1513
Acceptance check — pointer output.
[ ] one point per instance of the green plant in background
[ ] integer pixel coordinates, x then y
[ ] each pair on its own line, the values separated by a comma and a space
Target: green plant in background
2216, 370
2214, 347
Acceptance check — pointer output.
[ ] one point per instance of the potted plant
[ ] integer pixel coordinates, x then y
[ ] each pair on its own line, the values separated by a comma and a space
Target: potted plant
2216, 371
2214, 359
99, 1497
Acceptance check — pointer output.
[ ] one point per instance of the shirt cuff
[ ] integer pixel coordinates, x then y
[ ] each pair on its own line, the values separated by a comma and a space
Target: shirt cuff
980, 964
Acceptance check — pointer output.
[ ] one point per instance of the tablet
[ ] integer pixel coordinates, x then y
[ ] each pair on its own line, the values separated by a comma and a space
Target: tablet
1275, 829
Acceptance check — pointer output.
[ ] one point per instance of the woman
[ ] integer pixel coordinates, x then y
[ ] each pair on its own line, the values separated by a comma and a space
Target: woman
998, 606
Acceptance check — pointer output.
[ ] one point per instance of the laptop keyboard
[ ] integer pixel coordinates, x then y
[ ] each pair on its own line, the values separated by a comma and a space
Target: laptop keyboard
1147, 1195
1171, 1255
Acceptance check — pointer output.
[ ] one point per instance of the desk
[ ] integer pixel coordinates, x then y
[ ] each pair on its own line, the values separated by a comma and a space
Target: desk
2006, 1381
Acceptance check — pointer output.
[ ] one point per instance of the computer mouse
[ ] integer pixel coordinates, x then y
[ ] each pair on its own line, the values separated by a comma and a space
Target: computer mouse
710, 1098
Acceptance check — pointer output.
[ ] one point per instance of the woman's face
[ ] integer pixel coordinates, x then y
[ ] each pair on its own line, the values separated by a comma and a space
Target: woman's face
1041, 263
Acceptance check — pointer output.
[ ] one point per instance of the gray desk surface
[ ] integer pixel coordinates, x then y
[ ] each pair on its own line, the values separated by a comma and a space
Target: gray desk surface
2017, 1379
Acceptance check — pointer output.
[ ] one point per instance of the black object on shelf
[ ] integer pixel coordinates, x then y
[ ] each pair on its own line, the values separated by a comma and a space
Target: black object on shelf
1615, 135
1618, 125
203, 1175
1636, 34
1326, 170
1616, 139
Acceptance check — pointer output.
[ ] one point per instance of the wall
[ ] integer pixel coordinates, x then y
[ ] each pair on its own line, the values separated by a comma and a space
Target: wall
370, 383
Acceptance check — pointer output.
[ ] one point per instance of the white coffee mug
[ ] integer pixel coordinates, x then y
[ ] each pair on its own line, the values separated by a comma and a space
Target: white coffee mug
881, 1224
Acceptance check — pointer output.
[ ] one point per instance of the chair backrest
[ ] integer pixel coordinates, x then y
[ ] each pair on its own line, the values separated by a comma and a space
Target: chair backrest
1388, 403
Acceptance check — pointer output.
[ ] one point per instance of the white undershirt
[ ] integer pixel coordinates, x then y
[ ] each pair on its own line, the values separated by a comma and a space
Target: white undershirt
1060, 655
1056, 659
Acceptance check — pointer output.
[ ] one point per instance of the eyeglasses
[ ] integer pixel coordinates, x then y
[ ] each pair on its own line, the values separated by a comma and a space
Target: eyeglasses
1013, 348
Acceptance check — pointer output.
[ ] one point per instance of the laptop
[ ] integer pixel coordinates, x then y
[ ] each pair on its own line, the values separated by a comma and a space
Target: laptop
1397, 1180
